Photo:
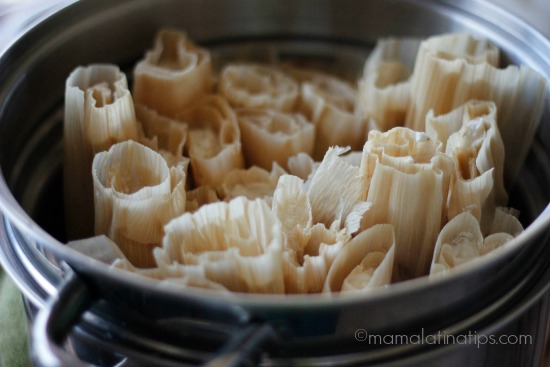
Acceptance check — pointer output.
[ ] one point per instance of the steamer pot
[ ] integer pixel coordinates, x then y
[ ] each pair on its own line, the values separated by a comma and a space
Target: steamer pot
135, 318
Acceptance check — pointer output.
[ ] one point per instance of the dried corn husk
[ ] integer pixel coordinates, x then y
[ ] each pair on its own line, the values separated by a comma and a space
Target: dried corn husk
254, 182
136, 194
305, 271
302, 165
164, 135
476, 196
440, 127
99, 112
100, 248
477, 146
236, 244
309, 250
213, 140
272, 136
335, 189
366, 262
407, 180
200, 196
446, 76
258, 86
506, 221
173, 74
384, 88
330, 104
461, 241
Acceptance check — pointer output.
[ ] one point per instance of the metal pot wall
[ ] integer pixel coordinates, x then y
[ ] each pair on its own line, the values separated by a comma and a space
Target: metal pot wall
126, 314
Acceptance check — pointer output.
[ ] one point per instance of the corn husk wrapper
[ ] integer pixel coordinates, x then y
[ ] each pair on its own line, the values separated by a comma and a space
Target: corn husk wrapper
309, 249
461, 241
334, 189
506, 221
236, 244
173, 74
365, 263
302, 165
258, 87
330, 104
252, 183
136, 194
272, 136
213, 140
407, 180
200, 196
164, 135
99, 112
384, 88
477, 146
447, 76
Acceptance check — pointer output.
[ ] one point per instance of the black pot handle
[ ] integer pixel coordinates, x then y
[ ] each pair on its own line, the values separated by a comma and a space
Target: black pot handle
245, 347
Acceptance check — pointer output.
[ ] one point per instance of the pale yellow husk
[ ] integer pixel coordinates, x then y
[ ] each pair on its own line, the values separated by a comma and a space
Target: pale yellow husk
136, 194
99, 112
173, 74
273, 136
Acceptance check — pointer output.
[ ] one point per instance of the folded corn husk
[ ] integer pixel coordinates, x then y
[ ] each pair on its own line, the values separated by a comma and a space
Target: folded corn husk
478, 153
164, 135
461, 241
136, 194
384, 88
334, 189
236, 244
330, 104
272, 136
309, 249
259, 87
213, 140
407, 180
366, 262
252, 183
302, 165
99, 112
200, 196
454, 68
173, 74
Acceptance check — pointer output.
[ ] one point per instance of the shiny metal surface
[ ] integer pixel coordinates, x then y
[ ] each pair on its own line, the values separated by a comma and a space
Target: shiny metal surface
33, 71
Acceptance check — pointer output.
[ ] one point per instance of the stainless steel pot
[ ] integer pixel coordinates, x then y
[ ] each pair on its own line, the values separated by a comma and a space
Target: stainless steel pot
138, 319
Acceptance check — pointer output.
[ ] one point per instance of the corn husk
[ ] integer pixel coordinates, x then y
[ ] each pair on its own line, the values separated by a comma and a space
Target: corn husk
252, 183
330, 104
258, 87
272, 136
477, 147
213, 140
236, 244
461, 241
384, 88
334, 190
365, 263
173, 74
200, 196
164, 135
454, 68
307, 273
99, 112
136, 194
506, 221
302, 165
407, 180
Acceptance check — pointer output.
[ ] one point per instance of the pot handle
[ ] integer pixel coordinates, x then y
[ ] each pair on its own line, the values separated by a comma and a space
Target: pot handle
54, 322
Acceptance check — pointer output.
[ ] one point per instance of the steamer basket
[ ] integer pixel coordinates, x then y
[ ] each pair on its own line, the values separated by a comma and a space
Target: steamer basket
119, 317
